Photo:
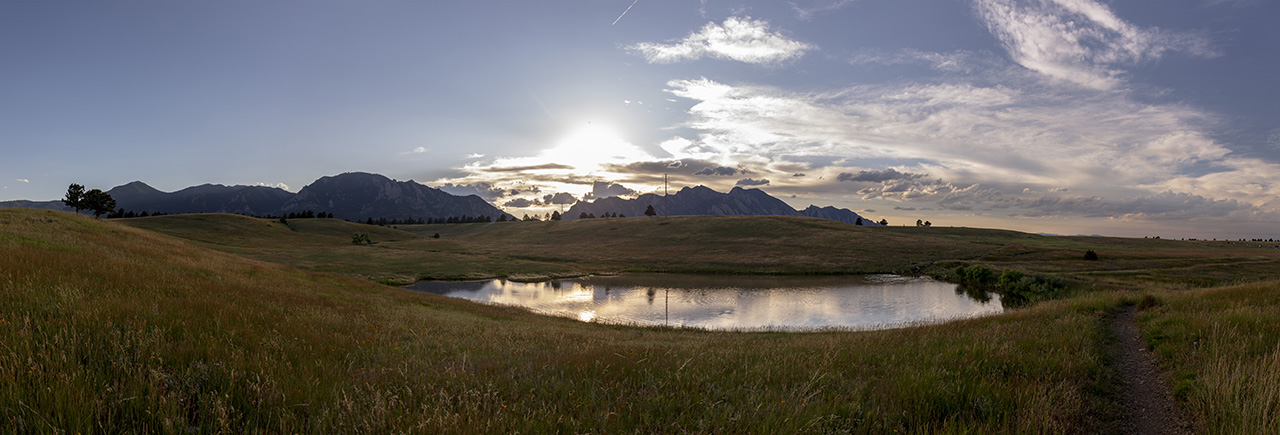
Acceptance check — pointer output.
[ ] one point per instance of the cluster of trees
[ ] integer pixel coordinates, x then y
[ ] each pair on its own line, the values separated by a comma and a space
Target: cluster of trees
308, 214
121, 213
920, 223
585, 215
553, 216
96, 201
423, 221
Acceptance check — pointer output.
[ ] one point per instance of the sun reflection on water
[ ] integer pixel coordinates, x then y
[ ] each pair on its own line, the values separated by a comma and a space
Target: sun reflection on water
733, 302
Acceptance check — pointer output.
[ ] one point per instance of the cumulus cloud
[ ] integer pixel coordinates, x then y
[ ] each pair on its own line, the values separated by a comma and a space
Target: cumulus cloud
522, 203
720, 171
604, 189
1081, 41
559, 198
740, 39
275, 185
1015, 130
482, 189
752, 182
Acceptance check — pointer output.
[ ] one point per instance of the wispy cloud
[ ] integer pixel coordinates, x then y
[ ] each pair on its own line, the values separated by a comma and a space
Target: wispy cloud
806, 9
24, 180
981, 146
955, 61
740, 39
1081, 41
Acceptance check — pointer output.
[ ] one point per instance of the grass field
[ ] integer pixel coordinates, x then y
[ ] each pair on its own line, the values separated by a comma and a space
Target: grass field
215, 323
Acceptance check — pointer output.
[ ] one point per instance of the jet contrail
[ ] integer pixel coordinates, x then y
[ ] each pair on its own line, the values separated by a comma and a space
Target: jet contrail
615, 21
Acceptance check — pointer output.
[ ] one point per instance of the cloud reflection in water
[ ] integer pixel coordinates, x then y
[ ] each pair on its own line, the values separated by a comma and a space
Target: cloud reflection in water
733, 302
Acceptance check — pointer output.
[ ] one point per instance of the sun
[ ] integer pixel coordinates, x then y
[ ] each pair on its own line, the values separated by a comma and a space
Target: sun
592, 145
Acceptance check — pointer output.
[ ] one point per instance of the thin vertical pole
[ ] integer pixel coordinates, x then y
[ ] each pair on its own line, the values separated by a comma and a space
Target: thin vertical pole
666, 211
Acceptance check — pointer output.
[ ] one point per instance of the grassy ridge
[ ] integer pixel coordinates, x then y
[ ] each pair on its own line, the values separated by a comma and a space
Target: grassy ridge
108, 327
713, 244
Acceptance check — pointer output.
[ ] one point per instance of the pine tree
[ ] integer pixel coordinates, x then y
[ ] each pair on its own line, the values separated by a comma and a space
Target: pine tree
75, 197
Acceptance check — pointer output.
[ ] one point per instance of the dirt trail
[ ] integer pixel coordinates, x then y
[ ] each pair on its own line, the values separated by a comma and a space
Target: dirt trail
1147, 403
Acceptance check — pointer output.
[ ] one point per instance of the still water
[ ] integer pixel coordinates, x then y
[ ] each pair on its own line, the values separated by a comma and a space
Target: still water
734, 302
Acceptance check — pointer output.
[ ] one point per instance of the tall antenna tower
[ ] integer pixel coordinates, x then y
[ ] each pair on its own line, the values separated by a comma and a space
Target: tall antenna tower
666, 212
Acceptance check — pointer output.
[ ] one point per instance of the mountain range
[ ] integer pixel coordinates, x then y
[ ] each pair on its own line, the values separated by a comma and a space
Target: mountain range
351, 196
359, 196
701, 200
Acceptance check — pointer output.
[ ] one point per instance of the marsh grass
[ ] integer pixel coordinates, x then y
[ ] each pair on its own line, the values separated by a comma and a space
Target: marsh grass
109, 328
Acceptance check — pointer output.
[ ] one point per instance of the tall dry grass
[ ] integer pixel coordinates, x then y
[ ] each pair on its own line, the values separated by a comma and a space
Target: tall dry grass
107, 328
1221, 348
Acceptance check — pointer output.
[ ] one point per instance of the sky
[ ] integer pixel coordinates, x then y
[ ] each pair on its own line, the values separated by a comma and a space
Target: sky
1123, 118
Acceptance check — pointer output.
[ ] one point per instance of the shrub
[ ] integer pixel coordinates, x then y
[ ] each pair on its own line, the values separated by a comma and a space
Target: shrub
1090, 255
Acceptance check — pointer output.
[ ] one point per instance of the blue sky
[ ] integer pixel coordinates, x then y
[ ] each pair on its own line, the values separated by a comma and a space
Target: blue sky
1065, 116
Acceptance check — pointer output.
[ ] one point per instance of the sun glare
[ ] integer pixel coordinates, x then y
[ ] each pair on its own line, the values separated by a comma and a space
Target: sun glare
592, 145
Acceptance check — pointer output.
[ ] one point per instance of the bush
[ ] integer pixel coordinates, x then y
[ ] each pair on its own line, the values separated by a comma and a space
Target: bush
976, 274
1090, 255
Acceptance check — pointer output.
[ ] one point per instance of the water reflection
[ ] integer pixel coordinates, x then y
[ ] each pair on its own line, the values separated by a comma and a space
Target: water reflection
735, 302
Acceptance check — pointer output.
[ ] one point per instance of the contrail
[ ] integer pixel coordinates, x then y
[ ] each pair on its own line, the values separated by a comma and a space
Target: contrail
615, 21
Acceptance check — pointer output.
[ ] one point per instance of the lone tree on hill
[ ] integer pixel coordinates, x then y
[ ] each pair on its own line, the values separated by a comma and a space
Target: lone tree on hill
884, 222
858, 222
75, 197
99, 202
650, 211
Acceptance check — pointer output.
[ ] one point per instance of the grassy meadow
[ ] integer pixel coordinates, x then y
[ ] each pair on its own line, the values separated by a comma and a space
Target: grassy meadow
218, 323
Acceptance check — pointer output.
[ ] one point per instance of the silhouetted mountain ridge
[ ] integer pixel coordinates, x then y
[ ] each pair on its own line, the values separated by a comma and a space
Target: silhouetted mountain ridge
701, 200
352, 196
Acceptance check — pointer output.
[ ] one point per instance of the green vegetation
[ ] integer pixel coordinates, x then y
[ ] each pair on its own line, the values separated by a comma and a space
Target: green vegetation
223, 323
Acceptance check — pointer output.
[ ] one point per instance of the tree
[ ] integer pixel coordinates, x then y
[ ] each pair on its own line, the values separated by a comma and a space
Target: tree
99, 202
919, 223
1090, 255
75, 197
555, 215
858, 222
884, 222
650, 211
928, 224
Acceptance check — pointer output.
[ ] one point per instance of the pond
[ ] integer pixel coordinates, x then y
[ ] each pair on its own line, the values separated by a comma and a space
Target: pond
734, 302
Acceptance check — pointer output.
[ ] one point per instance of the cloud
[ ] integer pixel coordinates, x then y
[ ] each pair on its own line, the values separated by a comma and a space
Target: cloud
956, 61
741, 39
537, 167
877, 176
1081, 41
752, 182
275, 185
522, 203
559, 198
484, 190
1164, 206
720, 171
604, 189
24, 180
806, 9
474, 156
